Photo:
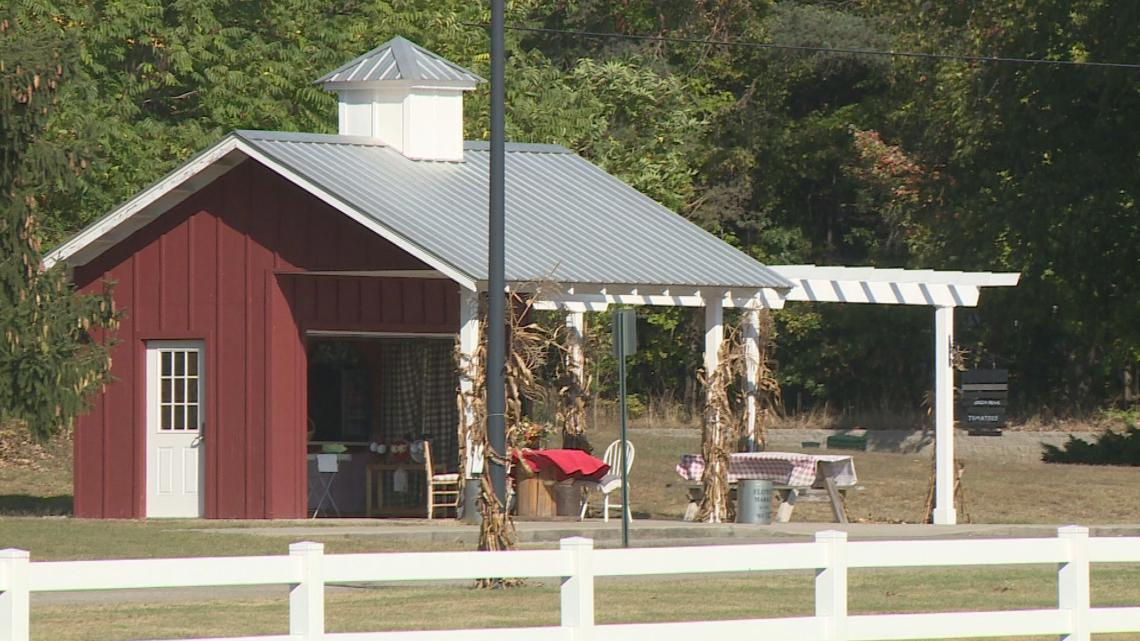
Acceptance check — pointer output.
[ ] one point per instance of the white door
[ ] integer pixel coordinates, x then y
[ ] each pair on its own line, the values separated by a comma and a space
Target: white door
175, 426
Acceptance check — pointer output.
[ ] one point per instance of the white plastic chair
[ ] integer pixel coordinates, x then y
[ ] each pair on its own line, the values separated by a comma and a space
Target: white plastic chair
610, 482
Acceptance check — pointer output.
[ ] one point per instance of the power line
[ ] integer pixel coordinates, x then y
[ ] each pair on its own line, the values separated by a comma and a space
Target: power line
809, 48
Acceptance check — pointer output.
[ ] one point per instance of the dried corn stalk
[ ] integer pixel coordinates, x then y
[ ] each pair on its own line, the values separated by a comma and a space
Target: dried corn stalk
472, 399
959, 491
496, 531
527, 345
719, 431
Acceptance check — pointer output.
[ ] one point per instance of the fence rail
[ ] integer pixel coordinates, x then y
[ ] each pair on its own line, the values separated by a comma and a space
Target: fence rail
307, 570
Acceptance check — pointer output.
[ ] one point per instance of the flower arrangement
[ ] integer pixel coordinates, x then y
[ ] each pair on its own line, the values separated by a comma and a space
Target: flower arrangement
533, 433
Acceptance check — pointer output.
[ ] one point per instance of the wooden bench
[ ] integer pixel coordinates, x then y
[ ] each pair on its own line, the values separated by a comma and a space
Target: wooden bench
788, 495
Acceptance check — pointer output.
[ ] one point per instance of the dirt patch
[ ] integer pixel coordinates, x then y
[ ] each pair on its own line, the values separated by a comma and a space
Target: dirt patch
18, 450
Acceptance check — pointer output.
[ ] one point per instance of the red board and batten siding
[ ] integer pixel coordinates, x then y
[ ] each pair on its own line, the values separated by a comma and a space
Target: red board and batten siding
223, 267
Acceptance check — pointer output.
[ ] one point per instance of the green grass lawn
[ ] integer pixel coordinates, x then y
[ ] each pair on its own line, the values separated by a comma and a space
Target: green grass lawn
618, 600
895, 485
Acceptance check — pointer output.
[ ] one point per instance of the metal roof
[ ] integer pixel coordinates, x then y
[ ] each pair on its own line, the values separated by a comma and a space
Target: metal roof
567, 220
399, 59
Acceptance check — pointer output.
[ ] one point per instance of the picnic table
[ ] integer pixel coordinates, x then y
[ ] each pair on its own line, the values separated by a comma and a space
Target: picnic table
793, 475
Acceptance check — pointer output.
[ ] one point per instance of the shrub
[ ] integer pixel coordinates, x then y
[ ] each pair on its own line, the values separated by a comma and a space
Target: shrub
1110, 448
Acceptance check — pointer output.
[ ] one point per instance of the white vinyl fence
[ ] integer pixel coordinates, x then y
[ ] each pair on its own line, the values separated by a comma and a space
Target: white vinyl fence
307, 569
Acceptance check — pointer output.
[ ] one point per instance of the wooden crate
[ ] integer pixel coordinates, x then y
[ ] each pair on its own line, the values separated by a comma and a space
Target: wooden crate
536, 497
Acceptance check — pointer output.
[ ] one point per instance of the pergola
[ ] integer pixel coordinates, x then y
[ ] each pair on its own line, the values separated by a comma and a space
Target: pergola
942, 290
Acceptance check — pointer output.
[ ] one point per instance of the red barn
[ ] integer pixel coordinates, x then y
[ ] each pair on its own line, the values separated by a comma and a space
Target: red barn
285, 291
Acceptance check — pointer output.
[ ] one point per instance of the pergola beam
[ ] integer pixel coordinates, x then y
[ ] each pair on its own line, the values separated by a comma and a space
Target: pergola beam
591, 297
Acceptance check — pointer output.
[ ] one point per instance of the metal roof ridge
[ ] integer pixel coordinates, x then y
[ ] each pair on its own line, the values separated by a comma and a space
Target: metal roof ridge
309, 137
405, 55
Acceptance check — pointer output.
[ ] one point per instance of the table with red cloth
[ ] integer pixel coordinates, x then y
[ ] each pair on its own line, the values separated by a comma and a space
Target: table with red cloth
560, 465
546, 480
792, 473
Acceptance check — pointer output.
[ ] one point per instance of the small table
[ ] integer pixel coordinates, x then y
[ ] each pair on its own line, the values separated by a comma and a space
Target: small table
324, 485
538, 472
793, 474
374, 478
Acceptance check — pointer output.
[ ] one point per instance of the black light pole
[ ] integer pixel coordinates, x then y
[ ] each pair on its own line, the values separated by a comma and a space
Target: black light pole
496, 280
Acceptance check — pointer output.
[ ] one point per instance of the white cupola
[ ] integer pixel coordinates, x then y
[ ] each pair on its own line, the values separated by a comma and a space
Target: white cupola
406, 96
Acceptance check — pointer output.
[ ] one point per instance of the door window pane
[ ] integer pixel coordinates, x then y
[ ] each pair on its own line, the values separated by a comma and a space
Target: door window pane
179, 389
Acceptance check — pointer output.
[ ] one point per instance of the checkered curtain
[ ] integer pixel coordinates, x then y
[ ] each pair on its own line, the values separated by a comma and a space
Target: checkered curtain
418, 384
439, 412
399, 393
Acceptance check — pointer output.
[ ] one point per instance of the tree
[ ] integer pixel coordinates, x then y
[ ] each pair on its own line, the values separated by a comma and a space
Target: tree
49, 358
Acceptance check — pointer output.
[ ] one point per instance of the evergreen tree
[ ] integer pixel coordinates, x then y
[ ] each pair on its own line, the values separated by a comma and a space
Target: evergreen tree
49, 358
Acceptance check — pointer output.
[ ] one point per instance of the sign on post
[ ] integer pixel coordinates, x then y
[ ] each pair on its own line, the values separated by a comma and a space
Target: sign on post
625, 332
983, 401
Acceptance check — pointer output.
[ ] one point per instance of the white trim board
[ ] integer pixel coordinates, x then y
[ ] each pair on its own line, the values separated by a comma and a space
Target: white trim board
148, 205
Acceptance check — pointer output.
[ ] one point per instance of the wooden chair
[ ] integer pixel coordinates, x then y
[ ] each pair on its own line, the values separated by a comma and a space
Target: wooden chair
442, 490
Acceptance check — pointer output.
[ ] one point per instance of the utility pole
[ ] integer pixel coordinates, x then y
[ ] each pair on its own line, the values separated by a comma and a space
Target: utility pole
496, 259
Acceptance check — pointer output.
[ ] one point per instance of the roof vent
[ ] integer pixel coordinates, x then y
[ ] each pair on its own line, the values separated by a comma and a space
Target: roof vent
406, 96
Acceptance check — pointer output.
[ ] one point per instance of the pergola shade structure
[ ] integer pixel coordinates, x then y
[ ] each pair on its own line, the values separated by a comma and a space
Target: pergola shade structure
943, 290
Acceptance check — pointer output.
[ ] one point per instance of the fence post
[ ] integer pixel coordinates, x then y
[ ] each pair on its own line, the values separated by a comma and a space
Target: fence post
578, 589
307, 598
15, 567
831, 584
1073, 582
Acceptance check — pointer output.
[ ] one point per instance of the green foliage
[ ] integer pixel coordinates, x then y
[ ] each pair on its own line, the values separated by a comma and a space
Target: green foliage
49, 360
1110, 448
823, 157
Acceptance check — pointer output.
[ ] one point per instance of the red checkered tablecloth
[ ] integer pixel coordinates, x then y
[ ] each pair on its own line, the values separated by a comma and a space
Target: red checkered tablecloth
783, 468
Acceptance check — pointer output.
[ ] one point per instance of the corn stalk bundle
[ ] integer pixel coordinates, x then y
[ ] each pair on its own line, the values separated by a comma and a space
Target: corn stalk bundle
719, 432
496, 531
959, 490
528, 345
472, 400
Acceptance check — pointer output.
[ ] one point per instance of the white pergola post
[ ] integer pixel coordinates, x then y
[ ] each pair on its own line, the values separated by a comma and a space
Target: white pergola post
751, 364
944, 510
714, 332
576, 367
468, 346
575, 342
714, 336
